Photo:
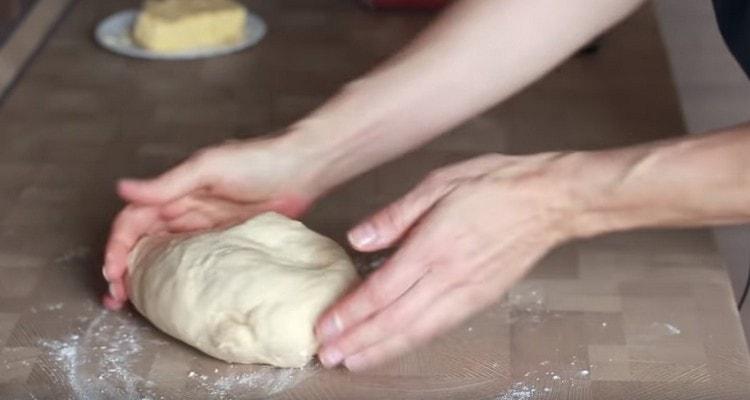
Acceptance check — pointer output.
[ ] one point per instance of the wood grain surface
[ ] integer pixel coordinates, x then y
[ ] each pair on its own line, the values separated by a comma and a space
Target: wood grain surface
642, 315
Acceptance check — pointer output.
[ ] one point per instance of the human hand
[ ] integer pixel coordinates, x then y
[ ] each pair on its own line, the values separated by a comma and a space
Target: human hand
218, 186
469, 232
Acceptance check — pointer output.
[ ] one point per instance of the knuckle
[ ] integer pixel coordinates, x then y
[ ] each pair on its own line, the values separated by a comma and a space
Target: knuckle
371, 333
456, 276
374, 294
204, 155
415, 336
477, 296
436, 176
358, 340
405, 342
437, 183
124, 214
391, 323
391, 216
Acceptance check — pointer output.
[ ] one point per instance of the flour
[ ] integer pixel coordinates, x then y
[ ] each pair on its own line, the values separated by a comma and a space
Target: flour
519, 391
98, 362
267, 379
108, 358
655, 332
53, 307
664, 329
77, 255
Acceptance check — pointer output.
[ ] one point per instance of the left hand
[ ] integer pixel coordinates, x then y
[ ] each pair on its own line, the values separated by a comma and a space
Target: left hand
469, 232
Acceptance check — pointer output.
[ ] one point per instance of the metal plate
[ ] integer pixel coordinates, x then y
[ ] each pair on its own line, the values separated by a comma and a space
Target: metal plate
114, 34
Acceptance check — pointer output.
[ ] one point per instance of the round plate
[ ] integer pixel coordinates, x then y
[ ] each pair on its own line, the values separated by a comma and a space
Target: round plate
114, 34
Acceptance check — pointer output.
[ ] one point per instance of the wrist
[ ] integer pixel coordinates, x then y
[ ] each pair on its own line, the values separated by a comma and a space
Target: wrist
600, 193
331, 150
345, 137
552, 185
309, 156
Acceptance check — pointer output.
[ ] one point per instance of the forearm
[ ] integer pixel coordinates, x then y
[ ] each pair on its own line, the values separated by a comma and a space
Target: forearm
478, 53
699, 180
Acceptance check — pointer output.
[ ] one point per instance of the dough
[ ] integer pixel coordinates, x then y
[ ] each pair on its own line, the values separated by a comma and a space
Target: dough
248, 294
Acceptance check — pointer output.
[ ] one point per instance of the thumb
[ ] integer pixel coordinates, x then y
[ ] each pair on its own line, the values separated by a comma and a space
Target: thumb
168, 186
388, 225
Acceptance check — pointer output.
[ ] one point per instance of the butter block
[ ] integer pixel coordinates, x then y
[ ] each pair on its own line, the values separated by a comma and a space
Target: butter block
179, 25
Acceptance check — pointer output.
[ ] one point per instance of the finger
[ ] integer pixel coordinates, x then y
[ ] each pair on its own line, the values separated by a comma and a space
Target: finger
291, 206
117, 291
191, 222
178, 207
175, 183
477, 166
392, 321
447, 312
111, 303
129, 225
388, 225
213, 212
379, 290
379, 354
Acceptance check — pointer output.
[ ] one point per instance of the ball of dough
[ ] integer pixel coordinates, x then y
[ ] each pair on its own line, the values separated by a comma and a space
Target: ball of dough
248, 294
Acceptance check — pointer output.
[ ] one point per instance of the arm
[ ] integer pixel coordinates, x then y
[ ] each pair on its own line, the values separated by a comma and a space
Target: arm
694, 181
477, 54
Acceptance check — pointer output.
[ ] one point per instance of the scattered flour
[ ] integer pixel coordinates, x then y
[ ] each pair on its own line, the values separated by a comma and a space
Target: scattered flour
267, 380
530, 299
52, 307
519, 391
656, 331
74, 256
582, 374
665, 328
107, 359
98, 362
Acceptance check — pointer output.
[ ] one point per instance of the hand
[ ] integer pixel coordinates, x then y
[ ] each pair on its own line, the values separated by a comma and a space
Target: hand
469, 232
218, 186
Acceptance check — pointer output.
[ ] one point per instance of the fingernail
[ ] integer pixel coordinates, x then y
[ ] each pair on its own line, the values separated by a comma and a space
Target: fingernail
330, 328
104, 273
355, 363
111, 304
363, 235
330, 357
113, 292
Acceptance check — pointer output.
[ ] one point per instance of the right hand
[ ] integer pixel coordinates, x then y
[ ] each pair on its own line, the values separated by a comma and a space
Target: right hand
218, 186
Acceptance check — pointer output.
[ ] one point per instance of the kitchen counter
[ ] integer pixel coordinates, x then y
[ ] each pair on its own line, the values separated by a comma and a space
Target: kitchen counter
640, 315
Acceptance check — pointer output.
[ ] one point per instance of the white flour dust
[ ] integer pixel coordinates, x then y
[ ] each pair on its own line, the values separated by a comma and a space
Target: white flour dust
54, 307
655, 332
519, 391
109, 358
663, 329
98, 362
75, 256
528, 309
267, 380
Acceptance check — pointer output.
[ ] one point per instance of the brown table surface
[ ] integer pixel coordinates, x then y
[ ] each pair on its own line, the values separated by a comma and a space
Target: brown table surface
642, 315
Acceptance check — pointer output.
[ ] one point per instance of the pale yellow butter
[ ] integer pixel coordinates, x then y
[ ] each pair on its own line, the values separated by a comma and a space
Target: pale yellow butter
179, 25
